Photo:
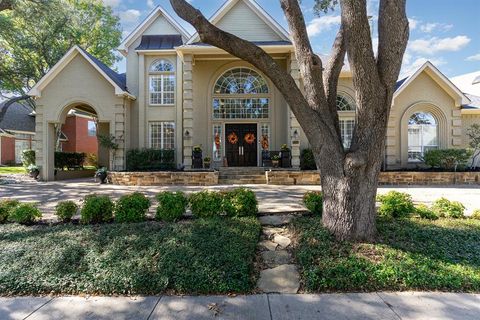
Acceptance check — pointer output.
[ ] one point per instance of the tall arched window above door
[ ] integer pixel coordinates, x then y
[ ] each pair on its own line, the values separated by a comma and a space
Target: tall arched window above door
422, 135
241, 93
162, 83
346, 115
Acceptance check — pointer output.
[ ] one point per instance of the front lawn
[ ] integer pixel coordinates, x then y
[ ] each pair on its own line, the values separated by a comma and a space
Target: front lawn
12, 170
410, 254
194, 257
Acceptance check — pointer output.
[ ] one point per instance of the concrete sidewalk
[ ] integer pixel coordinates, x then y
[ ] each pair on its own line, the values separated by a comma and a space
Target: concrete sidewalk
405, 305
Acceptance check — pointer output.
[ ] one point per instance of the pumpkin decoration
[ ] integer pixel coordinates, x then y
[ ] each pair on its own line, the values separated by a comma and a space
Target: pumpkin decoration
264, 142
233, 138
249, 138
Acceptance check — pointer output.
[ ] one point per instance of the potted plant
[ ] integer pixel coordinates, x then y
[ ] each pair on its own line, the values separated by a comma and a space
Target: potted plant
33, 171
102, 175
286, 156
206, 162
197, 157
275, 160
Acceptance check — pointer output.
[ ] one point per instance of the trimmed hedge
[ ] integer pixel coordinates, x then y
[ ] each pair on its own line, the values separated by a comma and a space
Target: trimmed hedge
313, 200
307, 160
96, 209
395, 204
150, 160
131, 208
206, 204
25, 213
447, 159
65, 210
240, 202
449, 209
6, 208
69, 160
171, 205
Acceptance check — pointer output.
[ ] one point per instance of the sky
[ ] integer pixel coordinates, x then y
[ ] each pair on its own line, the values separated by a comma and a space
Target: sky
445, 32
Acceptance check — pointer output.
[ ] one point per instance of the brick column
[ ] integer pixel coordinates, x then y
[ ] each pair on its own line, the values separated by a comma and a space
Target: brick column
187, 111
294, 126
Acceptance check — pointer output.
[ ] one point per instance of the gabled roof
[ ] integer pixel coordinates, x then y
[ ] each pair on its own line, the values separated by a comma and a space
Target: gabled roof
158, 11
404, 83
256, 8
118, 81
160, 42
17, 117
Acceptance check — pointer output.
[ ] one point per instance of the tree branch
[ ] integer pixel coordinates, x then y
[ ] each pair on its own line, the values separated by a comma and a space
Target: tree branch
12, 101
393, 39
332, 72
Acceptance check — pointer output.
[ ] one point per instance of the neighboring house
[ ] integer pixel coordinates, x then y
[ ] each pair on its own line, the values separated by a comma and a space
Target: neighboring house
17, 129
468, 83
178, 92
79, 134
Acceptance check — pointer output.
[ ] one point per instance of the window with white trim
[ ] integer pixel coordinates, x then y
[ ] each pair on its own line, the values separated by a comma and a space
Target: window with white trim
162, 83
91, 129
162, 135
346, 108
422, 135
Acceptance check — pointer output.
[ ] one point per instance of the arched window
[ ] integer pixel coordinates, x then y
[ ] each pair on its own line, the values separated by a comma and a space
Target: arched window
346, 108
162, 83
241, 93
422, 135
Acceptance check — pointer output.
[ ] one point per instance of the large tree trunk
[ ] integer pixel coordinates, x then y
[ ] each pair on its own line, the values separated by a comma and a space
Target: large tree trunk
349, 177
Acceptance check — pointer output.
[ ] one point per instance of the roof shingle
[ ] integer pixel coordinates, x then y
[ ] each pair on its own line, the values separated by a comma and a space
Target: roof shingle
17, 117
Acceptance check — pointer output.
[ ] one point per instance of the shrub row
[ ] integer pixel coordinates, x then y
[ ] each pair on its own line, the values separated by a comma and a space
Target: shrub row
150, 160
396, 204
133, 207
69, 160
447, 159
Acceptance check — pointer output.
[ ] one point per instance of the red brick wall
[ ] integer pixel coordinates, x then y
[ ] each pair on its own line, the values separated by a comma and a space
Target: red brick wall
76, 129
8, 150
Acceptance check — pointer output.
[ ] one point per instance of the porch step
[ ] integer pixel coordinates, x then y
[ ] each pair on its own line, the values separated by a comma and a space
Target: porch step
242, 176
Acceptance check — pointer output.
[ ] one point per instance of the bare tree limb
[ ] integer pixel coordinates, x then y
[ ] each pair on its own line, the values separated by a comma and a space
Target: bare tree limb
12, 101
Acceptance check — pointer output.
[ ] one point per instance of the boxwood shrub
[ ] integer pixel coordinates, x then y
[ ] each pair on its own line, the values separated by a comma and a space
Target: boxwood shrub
131, 208
206, 204
6, 207
395, 204
449, 209
475, 215
240, 202
25, 213
65, 210
96, 209
425, 212
313, 200
171, 205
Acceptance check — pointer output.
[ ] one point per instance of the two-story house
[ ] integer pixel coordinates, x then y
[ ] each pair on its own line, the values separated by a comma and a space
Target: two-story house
178, 92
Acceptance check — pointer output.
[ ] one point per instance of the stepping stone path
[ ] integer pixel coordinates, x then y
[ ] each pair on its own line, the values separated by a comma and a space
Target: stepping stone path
280, 274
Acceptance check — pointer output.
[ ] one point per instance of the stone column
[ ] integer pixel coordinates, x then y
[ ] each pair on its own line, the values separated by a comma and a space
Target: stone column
457, 137
40, 142
187, 110
294, 126
119, 134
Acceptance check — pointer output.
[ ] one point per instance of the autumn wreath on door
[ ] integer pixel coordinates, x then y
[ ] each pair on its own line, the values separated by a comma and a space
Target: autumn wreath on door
232, 138
249, 138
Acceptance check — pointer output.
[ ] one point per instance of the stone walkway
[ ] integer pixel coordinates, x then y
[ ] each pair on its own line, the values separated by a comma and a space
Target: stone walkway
279, 274
381, 305
272, 199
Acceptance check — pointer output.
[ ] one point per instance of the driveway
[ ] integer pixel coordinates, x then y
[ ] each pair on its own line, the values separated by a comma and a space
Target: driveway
272, 199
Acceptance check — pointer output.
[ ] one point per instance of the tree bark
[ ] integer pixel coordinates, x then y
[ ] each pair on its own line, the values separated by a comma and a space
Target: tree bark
349, 177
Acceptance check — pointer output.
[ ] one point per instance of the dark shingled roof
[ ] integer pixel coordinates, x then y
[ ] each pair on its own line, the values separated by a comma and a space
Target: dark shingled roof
119, 79
17, 117
160, 42
258, 43
400, 82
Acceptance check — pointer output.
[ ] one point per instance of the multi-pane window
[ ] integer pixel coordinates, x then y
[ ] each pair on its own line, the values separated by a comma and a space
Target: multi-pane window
346, 112
241, 93
217, 142
91, 129
162, 83
422, 135
346, 129
162, 135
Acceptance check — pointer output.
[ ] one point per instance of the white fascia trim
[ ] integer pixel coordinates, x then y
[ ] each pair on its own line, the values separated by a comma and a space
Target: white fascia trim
146, 23
430, 66
36, 91
220, 13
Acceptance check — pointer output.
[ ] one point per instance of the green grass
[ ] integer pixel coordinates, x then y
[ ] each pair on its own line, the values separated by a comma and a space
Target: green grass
198, 257
12, 170
410, 254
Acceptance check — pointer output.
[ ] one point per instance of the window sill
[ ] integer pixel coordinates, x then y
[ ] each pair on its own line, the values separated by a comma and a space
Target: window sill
162, 105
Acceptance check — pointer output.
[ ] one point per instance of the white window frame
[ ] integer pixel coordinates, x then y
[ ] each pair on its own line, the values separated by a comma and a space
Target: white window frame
162, 76
88, 128
162, 137
422, 146
343, 123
